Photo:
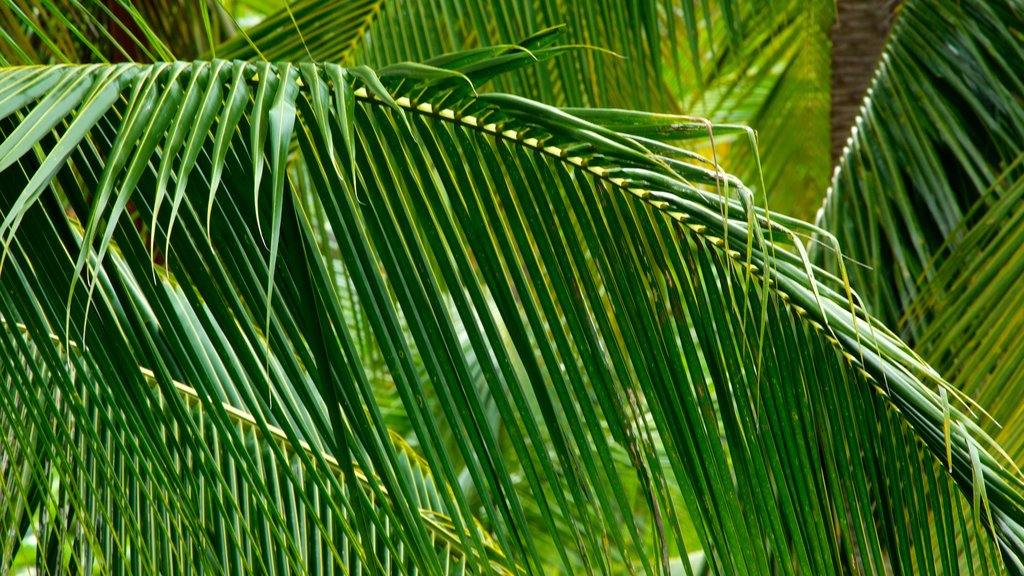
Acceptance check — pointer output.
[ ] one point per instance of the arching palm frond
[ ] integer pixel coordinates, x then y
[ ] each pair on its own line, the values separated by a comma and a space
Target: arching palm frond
635, 322
939, 127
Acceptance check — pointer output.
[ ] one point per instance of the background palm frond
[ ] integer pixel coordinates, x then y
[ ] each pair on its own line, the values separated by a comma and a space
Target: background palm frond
775, 80
924, 196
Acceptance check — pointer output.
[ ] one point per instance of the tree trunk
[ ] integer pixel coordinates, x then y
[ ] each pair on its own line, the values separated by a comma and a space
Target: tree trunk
858, 36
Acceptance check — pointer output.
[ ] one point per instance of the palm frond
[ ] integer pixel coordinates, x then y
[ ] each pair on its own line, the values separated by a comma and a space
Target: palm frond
967, 311
637, 324
636, 32
940, 125
925, 192
281, 478
617, 41
307, 30
776, 81
70, 32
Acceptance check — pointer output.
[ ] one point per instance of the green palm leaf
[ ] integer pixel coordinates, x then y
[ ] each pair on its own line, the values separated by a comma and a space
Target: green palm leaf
925, 196
775, 80
649, 350
939, 127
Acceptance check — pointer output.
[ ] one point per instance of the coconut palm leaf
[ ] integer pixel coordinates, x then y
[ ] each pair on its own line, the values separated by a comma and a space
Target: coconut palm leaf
379, 32
280, 470
924, 196
776, 80
967, 310
769, 61
65, 31
318, 31
637, 323
937, 131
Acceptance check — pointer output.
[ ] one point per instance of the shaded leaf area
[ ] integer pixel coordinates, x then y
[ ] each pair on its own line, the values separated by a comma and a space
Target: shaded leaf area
925, 196
649, 349
74, 32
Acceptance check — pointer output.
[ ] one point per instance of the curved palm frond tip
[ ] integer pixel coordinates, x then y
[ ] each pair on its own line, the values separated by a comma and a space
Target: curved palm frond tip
653, 368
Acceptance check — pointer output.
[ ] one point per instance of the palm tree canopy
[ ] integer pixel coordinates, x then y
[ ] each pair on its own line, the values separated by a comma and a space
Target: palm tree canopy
439, 315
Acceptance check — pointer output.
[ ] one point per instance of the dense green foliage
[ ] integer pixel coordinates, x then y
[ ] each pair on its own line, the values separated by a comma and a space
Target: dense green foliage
394, 286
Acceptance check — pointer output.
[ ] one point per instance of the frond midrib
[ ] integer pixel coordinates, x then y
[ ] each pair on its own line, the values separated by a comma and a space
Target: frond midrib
240, 418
